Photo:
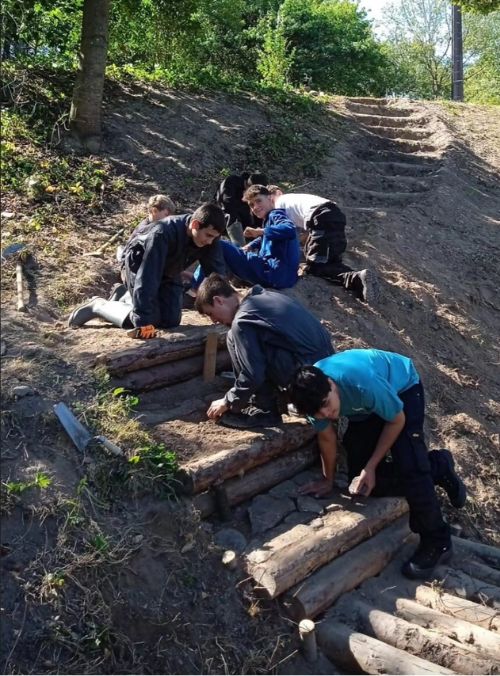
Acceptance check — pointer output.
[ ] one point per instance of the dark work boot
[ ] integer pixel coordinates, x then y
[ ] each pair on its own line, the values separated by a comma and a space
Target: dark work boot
250, 417
451, 482
364, 283
428, 555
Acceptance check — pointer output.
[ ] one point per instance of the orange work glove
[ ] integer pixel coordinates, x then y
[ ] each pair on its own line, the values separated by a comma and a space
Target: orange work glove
143, 332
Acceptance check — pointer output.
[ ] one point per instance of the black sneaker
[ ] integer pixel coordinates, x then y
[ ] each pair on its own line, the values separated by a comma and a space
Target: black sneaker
452, 483
250, 417
427, 556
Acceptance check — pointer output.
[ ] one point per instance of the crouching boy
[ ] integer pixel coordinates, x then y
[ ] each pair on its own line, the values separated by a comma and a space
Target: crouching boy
382, 396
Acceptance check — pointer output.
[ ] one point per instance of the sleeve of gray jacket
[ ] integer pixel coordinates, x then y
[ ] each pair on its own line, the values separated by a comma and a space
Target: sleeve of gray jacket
148, 280
250, 363
211, 259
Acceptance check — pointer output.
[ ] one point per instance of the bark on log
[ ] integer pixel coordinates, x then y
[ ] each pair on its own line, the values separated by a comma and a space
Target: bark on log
460, 608
260, 479
323, 588
468, 587
168, 374
419, 641
358, 652
480, 571
168, 348
490, 554
198, 475
486, 642
277, 570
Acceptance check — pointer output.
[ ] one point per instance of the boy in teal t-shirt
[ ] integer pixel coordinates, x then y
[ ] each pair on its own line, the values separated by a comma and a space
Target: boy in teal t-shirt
381, 395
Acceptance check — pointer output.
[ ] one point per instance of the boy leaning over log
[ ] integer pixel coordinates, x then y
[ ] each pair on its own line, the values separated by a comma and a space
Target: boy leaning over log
153, 262
271, 334
382, 396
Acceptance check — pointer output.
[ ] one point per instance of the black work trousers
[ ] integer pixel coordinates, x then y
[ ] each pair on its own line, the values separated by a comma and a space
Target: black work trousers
410, 470
326, 242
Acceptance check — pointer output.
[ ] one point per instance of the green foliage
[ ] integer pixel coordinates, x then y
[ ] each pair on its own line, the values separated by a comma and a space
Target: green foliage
479, 6
157, 464
41, 481
275, 58
482, 54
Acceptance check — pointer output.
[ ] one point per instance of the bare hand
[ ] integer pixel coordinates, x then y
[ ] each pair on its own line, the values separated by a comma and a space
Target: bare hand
253, 232
317, 488
217, 408
364, 483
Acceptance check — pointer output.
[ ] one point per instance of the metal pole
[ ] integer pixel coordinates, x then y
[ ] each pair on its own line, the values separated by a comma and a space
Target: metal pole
457, 54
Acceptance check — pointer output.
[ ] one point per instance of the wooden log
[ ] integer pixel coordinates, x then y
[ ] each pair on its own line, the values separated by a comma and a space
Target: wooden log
260, 479
490, 554
479, 571
210, 357
419, 641
198, 475
320, 590
279, 569
469, 611
164, 375
468, 587
170, 347
357, 652
487, 642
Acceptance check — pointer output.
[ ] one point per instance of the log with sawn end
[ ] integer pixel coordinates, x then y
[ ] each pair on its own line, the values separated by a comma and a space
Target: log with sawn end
486, 642
198, 475
168, 374
169, 347
282, 568
321, 589
353, 650
462, 609
260, 479
468, 587
417, 640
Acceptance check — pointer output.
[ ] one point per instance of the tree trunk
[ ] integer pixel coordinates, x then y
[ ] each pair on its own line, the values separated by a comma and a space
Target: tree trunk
417, 640
358, 652
486, 642
260, 479
184, 342
277, 568
86, 107
323, 588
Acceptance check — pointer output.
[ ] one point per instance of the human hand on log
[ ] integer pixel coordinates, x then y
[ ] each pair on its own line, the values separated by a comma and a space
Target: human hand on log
317, 488
363, 484
217, 408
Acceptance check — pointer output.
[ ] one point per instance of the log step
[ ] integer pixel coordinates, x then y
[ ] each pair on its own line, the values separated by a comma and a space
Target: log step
213, 466
185, 341
279, 563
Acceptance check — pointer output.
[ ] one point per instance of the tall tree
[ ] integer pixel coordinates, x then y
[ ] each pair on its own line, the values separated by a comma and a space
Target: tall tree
86, 106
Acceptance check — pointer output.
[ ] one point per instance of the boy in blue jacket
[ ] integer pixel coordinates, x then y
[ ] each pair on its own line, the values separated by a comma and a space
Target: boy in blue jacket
381, 395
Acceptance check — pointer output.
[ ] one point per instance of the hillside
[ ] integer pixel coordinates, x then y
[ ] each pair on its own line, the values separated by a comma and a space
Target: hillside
101, 575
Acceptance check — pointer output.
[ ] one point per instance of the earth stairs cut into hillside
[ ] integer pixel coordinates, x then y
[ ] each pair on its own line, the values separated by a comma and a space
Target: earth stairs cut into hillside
313, 554
396, 157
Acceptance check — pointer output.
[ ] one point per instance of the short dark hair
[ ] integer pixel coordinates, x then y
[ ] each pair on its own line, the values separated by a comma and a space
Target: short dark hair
308, 389
209, 215
211, 286
245, 175
257, 179
254, 190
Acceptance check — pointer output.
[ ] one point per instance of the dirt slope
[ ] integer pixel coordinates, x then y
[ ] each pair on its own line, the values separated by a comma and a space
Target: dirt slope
419, 183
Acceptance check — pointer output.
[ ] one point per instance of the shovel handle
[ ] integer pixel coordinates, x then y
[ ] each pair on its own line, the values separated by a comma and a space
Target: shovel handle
113, 448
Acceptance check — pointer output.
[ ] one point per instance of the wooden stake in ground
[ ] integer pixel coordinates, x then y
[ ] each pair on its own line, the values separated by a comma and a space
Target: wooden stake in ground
103, 247
307, 633
210, 360
21, 306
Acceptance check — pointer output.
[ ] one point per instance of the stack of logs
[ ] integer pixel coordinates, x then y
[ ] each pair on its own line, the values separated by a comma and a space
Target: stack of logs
171, 359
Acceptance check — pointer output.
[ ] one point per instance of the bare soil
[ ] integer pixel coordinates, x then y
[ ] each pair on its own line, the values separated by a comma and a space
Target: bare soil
144, 591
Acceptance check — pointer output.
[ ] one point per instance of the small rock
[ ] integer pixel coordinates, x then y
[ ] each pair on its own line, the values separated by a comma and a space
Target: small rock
187, 547
8, 215
20, 391
3, 348
137, 539
307, 504
286, 489
297, 518
230, 559
230, 538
